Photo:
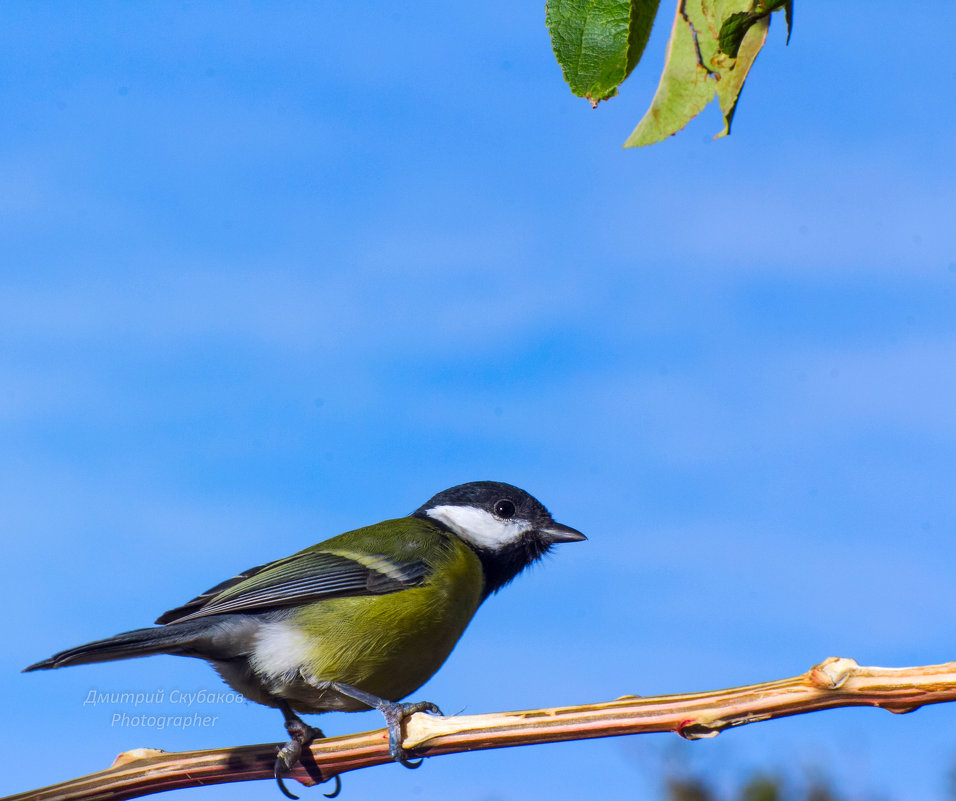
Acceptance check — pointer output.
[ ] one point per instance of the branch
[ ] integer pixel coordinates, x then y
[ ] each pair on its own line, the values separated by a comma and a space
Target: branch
833, 683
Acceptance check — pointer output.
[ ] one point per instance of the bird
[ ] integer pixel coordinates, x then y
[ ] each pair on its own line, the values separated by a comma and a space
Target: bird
358, 621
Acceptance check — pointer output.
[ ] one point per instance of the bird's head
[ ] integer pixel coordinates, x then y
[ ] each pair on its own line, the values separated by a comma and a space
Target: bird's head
508, 528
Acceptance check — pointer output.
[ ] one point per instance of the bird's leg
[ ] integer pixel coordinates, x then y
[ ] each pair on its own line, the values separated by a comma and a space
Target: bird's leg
301, 734
395, 714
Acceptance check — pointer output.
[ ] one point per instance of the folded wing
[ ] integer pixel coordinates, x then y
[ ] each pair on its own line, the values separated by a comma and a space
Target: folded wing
302, 578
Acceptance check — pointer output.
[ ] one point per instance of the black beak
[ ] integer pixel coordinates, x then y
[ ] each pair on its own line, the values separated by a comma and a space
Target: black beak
558, 532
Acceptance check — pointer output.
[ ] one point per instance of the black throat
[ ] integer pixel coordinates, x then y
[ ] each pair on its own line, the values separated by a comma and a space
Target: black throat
502, 565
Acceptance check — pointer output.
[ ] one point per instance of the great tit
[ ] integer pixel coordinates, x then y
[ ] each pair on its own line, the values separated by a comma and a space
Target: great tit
358, 621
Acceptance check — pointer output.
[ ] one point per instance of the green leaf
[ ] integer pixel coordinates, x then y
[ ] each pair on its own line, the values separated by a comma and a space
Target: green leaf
643, 13
734, 28
598, 42
732, 32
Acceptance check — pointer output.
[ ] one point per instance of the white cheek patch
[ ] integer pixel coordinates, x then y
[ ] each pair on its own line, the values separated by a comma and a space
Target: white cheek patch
479, 527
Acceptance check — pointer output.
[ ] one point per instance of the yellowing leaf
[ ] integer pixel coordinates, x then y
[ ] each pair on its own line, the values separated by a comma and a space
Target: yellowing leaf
732, 81
712, 47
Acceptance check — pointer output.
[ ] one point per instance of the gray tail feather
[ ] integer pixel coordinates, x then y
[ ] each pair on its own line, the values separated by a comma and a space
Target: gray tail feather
175, 639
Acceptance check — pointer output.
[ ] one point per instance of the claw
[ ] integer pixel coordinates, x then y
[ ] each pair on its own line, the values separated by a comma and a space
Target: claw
281, 765
286, 758
285, 790
338, 787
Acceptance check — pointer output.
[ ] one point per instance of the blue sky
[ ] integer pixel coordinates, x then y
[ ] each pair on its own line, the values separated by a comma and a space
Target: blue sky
274, 271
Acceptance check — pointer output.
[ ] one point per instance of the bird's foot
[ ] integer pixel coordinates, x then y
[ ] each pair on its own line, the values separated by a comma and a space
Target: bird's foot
301, 734
395, 715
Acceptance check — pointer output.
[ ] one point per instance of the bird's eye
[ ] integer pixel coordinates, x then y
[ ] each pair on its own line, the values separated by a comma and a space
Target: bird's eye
505, 508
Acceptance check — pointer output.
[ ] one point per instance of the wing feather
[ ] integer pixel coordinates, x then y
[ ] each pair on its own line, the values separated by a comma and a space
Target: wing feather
307, 576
